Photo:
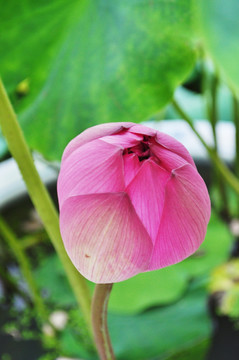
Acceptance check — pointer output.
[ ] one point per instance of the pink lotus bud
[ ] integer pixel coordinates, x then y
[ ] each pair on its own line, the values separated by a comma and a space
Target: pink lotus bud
131, 200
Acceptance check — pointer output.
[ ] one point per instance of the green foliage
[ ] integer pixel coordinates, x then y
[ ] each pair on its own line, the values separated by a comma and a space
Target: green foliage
219, 28
158, 333
71, 345
71, 65
148, 289
196, 351
139, 337
54, 283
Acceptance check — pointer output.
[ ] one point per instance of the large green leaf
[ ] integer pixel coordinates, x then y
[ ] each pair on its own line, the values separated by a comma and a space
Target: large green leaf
219, 25
159, 333
178, 331
89, 62
148, 289
198, 351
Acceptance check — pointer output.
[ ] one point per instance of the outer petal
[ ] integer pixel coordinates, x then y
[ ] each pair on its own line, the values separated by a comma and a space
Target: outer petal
168, 159
124, 139
93, 133
96, 167
175, 146
104, 237
141, 129
147, 191
184, 220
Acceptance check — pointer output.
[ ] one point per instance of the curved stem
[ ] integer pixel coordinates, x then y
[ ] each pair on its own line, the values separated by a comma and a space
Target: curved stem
41, 199
236, 122
213, 116
212, 107
228, 176
29, 241
25, 267
99, 321
11, 283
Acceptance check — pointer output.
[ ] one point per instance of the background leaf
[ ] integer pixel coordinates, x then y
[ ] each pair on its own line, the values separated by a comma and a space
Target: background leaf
198, 351
162, 332
148, 289
178, 331
90, 62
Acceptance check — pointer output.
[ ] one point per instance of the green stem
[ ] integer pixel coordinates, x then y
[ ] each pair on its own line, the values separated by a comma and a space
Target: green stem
213, 118
210, 82
236, 122
41, 199
25, 267
11, 283
213, 108
227, 175
32, 240
99, 321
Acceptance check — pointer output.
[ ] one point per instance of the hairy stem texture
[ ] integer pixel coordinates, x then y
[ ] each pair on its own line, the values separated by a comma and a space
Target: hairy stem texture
99, 321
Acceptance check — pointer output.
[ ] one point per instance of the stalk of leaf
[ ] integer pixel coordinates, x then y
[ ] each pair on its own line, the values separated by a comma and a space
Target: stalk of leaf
25, 266
41, 199
236, 122
227, 175
210, 89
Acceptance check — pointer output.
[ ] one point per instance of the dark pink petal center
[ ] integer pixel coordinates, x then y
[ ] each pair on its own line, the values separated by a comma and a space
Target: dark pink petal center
142, 150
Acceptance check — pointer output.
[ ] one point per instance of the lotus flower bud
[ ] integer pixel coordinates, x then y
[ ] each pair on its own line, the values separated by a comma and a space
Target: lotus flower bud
131, 200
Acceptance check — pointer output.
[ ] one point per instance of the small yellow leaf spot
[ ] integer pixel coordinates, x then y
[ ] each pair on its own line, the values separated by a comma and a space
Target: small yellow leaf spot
23, 87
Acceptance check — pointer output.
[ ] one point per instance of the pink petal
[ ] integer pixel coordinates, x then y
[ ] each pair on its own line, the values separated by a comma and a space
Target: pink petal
95, 167
184, 219
124, 139
144, 130
146, 192
175, 146
93, 133
131, 167
104, 237
168, 159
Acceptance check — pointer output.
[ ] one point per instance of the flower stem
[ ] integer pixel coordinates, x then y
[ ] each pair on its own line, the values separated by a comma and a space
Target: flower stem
99, 321
228, 176
41, 199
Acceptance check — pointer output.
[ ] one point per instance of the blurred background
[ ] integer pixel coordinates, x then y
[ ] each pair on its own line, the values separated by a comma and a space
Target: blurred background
69, 65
